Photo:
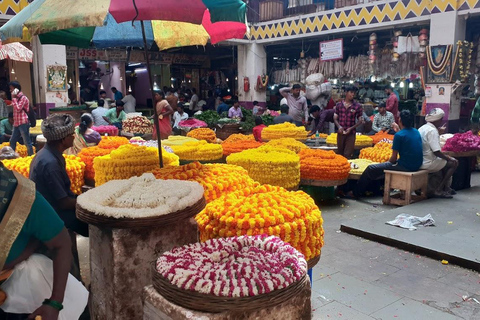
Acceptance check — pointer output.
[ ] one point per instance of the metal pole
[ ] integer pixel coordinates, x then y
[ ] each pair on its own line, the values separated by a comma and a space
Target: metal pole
155, 118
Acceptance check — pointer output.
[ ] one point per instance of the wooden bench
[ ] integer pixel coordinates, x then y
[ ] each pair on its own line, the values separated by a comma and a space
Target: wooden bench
406, 182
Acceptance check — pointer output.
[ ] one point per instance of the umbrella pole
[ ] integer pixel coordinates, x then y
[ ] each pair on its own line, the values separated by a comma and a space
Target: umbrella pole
155, 112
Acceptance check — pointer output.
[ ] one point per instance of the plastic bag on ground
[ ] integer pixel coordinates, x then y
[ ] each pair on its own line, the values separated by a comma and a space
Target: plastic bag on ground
410, 222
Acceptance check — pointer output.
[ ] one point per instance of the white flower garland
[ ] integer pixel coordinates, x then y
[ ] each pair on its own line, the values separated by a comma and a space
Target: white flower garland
141, 197
233, 267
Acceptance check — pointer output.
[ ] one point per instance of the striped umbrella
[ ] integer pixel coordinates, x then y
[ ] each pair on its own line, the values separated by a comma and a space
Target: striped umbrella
15, 51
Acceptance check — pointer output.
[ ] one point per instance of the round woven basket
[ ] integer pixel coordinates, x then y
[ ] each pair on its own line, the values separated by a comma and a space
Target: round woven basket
466, 154
313, 262
227, 130
213, 304
322, 183
127, 223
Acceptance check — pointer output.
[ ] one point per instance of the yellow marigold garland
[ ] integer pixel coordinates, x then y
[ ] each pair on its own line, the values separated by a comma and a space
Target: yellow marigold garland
203, 134
216, 179
112, 142
284, 130
74, 166
289, 143
269, 165
323, 165
198, 150
176, 140
361, 165
381, 152
292, 216
360, 140
21, 149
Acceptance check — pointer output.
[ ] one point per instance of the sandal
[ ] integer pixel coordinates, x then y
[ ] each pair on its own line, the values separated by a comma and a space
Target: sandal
442, 195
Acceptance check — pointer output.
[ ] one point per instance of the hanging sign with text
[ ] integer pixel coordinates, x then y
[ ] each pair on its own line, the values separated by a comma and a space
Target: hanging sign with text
331, 50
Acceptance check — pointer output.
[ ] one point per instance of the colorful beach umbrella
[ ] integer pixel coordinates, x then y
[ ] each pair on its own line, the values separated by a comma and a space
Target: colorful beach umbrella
15, 51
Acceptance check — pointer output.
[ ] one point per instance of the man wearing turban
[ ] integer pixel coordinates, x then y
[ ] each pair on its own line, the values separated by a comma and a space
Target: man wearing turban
433, 158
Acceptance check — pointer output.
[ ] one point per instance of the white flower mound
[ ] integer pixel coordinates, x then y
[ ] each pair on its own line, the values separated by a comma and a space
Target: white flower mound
141, 197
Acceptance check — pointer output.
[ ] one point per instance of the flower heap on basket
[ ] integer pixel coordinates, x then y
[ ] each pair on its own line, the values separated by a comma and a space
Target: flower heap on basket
239, 146
21, 149
462, 142
109, 142
216, 179
284, 130
381, 152
88, 155
233, 267
357, 166
266, 164
127, 161
176, 141
138, 197
288, 143
198, 150
74, 165
323, 165
360, 140
239, 137
138, 124
106, 130
381, 136
292, 216
203, 134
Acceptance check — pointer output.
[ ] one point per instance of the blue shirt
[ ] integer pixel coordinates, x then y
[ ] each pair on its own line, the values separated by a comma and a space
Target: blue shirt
408, 143
223, 107
118, 95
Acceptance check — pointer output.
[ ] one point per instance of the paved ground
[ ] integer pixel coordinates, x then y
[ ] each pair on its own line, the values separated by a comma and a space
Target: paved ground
360, 279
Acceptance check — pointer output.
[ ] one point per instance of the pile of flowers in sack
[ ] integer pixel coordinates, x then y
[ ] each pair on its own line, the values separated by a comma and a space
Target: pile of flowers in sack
233, 267
288, 143
265, 209
106, 130
357, 166
138, 197
216, 179
381, 136
198, 150
21, 149
74, 165
269, 165
137, 124
323, 165
381, 152
176, 140
462, 142
203, 134
284, 130
360, 140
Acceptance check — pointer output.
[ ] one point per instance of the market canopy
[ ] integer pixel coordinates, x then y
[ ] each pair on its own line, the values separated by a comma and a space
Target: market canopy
91, 23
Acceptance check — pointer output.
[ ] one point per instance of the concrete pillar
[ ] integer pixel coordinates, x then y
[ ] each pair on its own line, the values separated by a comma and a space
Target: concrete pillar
446, 28
252, 62
43, 56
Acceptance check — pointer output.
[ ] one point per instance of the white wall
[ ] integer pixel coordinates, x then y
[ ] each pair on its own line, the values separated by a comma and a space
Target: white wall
252, 62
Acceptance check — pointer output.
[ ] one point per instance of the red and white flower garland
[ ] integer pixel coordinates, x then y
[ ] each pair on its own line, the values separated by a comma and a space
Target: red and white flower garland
233, 267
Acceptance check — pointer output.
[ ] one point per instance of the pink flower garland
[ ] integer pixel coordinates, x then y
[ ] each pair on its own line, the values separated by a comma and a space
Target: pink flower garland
462, 142
109, 130
233, 267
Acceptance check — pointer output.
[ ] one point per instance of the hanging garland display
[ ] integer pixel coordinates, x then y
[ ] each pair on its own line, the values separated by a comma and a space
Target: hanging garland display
373, 47
423, 40
462, 61
262, 83
439, 59
395, 55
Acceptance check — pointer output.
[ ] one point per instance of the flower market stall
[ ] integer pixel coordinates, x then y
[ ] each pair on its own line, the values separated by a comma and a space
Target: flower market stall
244, 277
129, 225
284, 130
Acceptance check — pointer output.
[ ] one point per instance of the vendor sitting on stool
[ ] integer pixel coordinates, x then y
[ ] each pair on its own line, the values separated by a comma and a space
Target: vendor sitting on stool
115, 116
383, 120
433, 159
407, 143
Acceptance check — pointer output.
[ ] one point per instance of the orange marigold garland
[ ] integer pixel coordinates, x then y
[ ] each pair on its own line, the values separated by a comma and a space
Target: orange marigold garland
265, 209
381, 152
112, 142
379, 136
88, 155
239, 146
288, 143
216, 179
239, 137
323, 165
203, 134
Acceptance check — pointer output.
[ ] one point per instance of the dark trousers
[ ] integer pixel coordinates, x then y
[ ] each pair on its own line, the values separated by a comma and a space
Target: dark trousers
374, 172
346, 144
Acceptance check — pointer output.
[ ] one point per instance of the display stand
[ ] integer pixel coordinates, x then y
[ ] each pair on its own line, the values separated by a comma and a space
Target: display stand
121, 253
321, 190
466, 163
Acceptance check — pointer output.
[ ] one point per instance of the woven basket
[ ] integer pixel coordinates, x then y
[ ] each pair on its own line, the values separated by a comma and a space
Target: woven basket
313, 262
127, 223
213, 304
227, 130
466, 154
322, 183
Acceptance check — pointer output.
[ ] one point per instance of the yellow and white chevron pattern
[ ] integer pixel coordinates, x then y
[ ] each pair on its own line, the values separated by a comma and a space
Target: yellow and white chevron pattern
370, 14
12, 7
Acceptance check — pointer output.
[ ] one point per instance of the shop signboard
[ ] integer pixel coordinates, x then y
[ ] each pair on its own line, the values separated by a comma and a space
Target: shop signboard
331, 50
189, 59
92, 54
117, 55
72, 53
155, 57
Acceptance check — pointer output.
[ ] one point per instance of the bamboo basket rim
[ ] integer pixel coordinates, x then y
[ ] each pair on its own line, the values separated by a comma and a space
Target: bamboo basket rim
146, 222
214, 304
466, 154
313, 262
323, 183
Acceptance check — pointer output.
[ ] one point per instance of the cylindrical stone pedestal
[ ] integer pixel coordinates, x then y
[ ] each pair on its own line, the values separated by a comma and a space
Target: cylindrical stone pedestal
298, 307
121, 264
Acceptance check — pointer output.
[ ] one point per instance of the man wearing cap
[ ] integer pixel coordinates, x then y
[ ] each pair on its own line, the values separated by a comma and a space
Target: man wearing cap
116, 115
433, 158
297, 104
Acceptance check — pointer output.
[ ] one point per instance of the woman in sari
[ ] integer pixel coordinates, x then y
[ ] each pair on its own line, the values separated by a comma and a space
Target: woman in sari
164, 111
27, 278
85, 136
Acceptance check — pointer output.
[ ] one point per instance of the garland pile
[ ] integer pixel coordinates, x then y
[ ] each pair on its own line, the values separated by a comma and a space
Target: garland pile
360, 140
381, 152
323, 165
138, 124
176, 141
198, 150
239, 146
288, 143
21, 149
239, 137
112, 142
357, 166
381, 136
462, 142
106, 130
88, 155
203, 134
284, 130
292, 216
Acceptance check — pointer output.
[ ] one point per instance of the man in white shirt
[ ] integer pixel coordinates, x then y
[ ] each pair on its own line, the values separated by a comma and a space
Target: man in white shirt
194, 101
98, 113
433, 158
130, 103
178, 116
